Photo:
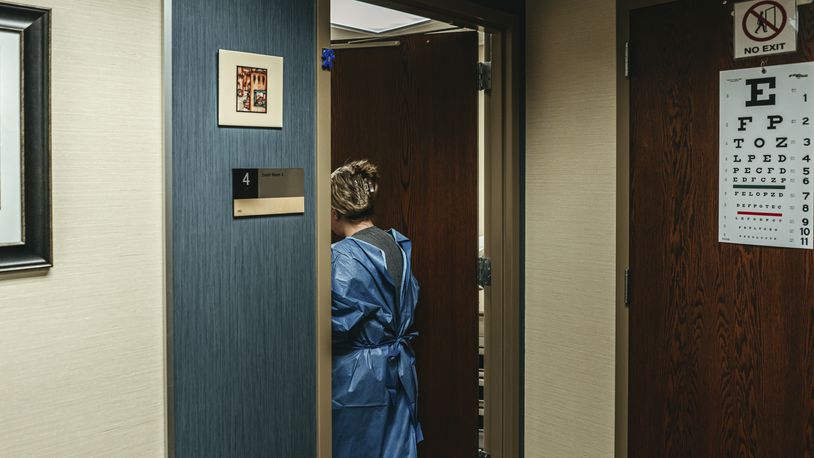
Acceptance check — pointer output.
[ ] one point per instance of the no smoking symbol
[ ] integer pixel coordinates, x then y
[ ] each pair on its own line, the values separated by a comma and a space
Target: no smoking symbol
764, 20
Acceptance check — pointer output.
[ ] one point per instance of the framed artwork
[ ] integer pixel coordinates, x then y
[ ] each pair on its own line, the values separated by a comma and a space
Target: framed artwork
250, 89
25, 138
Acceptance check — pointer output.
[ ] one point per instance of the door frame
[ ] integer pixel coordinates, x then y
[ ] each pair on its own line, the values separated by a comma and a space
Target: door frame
503, 143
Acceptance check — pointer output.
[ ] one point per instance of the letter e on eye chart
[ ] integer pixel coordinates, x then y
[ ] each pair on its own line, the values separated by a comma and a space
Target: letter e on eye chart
765, 151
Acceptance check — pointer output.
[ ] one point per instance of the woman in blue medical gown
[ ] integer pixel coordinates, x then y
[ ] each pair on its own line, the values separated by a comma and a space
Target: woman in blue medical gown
374, 297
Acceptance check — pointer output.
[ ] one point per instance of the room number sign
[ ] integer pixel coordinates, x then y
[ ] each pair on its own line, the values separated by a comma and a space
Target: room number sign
765, 173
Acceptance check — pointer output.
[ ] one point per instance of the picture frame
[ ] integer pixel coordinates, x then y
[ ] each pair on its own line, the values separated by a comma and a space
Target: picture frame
25, 138
250, 89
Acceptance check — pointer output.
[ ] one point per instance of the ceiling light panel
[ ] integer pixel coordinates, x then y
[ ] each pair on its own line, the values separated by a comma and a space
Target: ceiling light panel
370, 18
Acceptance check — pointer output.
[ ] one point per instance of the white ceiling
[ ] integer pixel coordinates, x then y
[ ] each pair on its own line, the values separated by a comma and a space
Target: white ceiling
358, 15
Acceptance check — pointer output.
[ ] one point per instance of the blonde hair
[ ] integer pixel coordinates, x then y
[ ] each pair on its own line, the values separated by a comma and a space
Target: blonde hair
354, 187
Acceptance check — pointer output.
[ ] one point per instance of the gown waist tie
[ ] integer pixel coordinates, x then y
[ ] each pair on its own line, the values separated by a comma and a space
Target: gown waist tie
400, 347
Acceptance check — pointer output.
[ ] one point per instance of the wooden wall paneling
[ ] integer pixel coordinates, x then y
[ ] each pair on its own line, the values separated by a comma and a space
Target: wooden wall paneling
720, 341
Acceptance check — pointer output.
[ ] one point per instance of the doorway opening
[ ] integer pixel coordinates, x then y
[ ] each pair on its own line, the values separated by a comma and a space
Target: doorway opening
404, 93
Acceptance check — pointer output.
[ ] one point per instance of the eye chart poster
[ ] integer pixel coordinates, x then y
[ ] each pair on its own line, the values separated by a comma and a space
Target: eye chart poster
765, 179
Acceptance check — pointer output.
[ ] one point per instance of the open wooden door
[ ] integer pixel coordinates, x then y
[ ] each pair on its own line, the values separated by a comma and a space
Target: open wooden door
412, 109
721, 335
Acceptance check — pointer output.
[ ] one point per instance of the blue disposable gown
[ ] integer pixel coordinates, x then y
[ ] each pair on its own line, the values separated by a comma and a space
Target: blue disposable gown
374, 379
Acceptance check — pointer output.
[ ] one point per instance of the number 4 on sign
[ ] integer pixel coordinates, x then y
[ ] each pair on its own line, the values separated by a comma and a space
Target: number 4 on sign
246, 179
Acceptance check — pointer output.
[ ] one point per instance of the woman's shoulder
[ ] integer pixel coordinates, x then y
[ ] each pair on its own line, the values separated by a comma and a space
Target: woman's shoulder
345, 247
352, 247
402, 241
397, 236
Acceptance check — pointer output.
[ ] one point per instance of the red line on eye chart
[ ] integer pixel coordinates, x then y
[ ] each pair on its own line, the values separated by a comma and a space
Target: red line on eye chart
760, 214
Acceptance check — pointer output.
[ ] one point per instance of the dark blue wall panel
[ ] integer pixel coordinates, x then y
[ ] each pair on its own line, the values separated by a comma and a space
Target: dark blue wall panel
242, 314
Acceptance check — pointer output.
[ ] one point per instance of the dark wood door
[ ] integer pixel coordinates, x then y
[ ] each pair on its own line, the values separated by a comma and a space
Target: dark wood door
721, 335
412, 109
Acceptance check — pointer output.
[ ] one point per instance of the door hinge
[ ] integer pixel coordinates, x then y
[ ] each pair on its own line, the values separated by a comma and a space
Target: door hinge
627, 287
484, 271
482, 454
484, 76
627, 59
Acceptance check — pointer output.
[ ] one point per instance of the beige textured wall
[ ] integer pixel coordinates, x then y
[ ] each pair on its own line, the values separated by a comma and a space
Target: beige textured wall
570, 228
81, 348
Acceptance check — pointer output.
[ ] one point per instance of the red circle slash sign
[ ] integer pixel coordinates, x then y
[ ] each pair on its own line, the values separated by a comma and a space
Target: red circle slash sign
765, 14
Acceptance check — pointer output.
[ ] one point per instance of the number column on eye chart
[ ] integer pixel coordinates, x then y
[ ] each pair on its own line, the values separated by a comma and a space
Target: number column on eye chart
802, 160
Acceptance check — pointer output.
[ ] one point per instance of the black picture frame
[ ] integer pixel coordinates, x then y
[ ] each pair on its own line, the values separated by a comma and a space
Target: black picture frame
34, 26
